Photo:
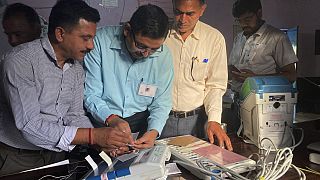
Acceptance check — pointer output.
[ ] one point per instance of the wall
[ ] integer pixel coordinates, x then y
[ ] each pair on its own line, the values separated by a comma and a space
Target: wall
110, 16
280, 13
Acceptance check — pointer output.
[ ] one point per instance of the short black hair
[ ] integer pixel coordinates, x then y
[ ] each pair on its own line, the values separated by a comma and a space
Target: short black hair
67, 13
18, 9
151, 21
241, 7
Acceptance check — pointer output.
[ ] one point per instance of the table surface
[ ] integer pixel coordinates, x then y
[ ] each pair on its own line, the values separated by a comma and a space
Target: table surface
300, 159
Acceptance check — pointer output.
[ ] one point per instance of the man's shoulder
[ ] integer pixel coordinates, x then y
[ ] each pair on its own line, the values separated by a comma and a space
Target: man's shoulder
273, 30
209, 31
108, 30
208, 28
24, 51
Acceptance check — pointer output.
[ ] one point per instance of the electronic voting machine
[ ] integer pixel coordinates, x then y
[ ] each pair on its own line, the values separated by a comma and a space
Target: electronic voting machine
190, 149
267, 110
148, 164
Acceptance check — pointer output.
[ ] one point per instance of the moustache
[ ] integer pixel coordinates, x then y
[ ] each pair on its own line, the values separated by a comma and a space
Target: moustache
86, 51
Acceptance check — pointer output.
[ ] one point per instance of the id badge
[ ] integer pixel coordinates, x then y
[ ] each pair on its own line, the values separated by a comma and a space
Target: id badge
147, 90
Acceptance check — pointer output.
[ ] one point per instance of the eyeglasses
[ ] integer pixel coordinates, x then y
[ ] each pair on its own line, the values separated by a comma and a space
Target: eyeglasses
142, 47
246, 19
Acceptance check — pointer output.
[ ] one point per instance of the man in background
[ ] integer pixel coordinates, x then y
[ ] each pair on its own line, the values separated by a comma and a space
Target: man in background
129, 76
43, 82
259, 50
21, 24
200, 67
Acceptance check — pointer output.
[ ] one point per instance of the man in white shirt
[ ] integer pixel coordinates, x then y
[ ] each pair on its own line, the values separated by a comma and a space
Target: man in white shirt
200, 67
259, 50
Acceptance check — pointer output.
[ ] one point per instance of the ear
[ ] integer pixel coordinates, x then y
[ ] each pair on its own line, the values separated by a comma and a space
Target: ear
59, 33
203, 8
126, 29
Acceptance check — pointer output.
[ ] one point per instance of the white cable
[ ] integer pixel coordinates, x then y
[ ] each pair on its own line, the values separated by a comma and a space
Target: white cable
209, 173
311, 82
206, 172
300, 141
231, 174
301, 173
294, 144
281, 163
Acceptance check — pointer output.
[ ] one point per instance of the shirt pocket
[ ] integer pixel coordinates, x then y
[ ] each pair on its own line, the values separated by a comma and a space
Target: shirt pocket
261, 49
198, 69
141, 99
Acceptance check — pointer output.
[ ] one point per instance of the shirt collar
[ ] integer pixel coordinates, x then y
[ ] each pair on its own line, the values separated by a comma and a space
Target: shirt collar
46, 45
261, 29
196, 32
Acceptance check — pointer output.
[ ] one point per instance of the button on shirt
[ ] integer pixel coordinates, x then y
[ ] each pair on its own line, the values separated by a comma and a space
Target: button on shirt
113, 80
46, 101
262, 53
200, 66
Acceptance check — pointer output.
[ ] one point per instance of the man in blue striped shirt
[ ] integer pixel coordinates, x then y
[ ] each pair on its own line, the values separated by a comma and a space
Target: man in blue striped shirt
43, 83
129, 75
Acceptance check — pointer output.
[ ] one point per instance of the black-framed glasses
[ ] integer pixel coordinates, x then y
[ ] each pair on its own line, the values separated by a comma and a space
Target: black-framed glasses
142, 47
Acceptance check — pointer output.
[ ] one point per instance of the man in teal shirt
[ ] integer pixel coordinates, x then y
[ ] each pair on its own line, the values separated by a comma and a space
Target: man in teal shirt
129, 76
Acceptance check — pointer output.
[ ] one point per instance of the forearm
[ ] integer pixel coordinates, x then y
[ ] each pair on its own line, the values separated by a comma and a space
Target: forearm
158, 117
159, 110
213, 104
82, 136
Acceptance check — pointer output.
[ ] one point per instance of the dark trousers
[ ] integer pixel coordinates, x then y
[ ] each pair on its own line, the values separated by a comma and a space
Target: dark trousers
138, 122
231, 116
13, 160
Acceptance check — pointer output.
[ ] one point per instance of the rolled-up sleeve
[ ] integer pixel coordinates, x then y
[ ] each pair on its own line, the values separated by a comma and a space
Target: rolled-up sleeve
37, 113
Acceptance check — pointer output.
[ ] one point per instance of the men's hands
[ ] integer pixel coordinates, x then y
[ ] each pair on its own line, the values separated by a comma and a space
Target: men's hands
243, 75
116, 152
147, 140
122, 126
214, 130
110, 138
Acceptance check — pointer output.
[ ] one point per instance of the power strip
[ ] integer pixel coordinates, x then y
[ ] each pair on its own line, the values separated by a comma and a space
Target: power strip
189, 155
